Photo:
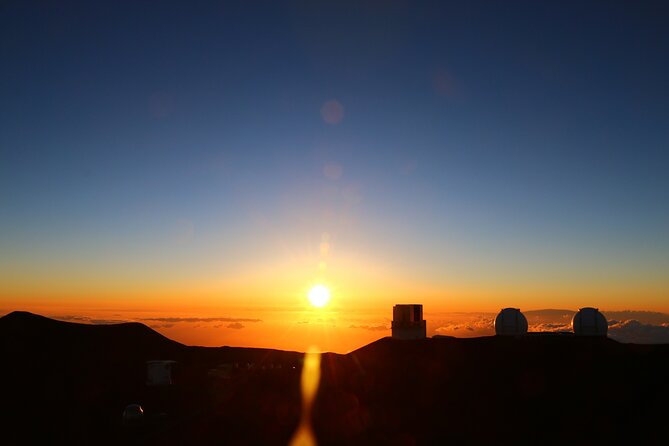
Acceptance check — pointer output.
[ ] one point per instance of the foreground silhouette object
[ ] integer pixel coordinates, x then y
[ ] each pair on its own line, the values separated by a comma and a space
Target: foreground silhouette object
510, 322
446, 390
408, 322
589, 322
133, 415
159, 372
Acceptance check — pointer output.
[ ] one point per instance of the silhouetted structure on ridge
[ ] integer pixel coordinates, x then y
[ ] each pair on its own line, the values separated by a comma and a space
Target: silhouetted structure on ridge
384, 391
589, 321
510, 322
408, 322
133, 415
159, 372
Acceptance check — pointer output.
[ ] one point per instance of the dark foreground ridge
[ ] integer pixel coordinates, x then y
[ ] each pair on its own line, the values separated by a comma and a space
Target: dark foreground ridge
69, 383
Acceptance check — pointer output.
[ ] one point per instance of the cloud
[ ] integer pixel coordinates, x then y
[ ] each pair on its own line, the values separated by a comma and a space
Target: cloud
648, 328
537, 317
645, 317
481, 326
370, 327
652, 329
553, 316
165, 322
162, 325
628, 331
550, 327
635, 332
88, 320
174, 320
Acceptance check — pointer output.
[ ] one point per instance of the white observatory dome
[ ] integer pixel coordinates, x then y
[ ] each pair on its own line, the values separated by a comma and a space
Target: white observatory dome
589, 322
510, 322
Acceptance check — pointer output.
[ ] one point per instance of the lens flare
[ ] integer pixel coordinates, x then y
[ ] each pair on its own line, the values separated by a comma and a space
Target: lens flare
311, 375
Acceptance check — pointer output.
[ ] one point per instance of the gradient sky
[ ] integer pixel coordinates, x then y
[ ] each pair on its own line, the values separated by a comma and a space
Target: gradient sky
213, 156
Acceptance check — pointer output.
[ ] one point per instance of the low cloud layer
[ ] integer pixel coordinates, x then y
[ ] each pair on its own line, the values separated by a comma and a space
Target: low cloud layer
370, 327
88, 320
550, 327
466, 327
234, 323
639, 327
167, 322
645, 317
633, 331
174, 320
628, 331
651, 328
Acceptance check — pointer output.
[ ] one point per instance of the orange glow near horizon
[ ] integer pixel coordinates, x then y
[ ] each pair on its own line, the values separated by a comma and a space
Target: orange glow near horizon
361, 282
341, 326
271, 305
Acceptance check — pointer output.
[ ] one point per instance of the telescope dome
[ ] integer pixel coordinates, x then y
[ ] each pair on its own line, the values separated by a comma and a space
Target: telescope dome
589, 322
510, 322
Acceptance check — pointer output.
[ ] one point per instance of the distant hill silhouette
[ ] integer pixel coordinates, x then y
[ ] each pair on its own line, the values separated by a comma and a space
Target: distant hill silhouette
549, 313
68, 383
26, 332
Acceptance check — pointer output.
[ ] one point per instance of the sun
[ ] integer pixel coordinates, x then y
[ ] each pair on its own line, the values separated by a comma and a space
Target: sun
319, 296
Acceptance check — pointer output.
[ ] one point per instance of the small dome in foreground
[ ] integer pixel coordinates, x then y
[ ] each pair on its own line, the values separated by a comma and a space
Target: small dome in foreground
133, 414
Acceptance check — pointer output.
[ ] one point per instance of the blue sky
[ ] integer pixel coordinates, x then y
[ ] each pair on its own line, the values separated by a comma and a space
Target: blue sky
478, 139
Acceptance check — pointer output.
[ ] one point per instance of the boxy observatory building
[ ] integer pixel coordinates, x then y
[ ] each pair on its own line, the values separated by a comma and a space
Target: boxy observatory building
408, 322
159, 372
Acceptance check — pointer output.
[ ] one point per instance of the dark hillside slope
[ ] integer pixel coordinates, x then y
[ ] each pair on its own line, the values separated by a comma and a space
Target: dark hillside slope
68, 383
23, 332
61, 378
494, 390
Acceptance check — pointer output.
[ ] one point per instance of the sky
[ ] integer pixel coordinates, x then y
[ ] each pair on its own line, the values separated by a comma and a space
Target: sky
218, 159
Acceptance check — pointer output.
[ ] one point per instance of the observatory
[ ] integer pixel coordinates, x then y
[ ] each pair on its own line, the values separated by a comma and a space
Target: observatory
159, 373
510, 322
589, 322
408, 322
133, 415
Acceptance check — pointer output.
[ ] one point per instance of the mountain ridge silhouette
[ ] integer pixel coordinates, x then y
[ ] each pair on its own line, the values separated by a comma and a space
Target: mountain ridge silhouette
68, 382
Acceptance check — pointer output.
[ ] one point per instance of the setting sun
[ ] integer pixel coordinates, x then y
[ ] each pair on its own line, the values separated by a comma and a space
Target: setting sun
319, 296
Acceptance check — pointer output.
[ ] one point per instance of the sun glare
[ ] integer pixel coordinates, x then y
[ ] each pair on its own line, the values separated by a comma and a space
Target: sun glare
319, 296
